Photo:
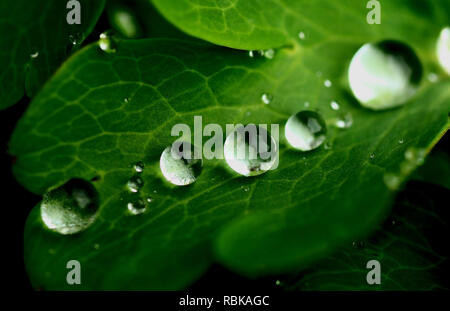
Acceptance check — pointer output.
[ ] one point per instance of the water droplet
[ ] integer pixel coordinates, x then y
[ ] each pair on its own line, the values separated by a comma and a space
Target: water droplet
251, 53
401, 141
250, 150
139, 167
345, 121
432, 77
372, 155
392, 181
415, 155
334, 105
327, 146
149, 200
327, 83
305, 130
269, 54
266, 98
384, 75
70, 208
246, 189
137, 207
126, 100
181, 164
443, 49
278, 282
306, 104
106, 43
75, 39
34, 53
301, 35
135, 183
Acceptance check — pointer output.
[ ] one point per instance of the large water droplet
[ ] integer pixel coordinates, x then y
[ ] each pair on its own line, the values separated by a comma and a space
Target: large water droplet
384, 75
443, 49
106, 43
181, 164
250, 150
305, 130
135, 183
70, 208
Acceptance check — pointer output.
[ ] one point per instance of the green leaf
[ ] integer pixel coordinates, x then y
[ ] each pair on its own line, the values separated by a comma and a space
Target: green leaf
38, 28
411, 248
436, 169
262, 24
103, 112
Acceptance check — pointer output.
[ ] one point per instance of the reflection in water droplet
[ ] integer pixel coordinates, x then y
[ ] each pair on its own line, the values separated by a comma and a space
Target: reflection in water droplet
70, 208
139, 167
250, 150
345, 121
181, 164
384, 75
266, 98
301, 35
327, 83
334, 105
443, 49
137, 207
106, 43
34, 53
135, 183
305, 130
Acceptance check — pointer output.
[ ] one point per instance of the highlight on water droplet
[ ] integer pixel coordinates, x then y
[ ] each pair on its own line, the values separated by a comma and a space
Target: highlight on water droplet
106, 43
372, 155
70, 208
327, 83
34, 53
137, 207
384, 75
443, 49
250, 150
344, 121
401, 141
139, 167
334, 105
301, 35
269, 54
135, 183
181, 164
305, 130
306, 104
266, 98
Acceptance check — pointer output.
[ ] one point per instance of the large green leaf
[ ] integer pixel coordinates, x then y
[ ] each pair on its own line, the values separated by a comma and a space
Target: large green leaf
261, 24
103, 112
411, 248
38, 28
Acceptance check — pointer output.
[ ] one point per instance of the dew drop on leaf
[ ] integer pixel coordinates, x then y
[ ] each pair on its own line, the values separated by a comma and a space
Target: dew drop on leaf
137, 207
139, 167
181, 164
266, 98
106, 43
305, 130
70, 208
344, 121
334, 105
443, 49
250, 150
384, 75
301, 35
327, 83
34, 53
135, 183
392, 181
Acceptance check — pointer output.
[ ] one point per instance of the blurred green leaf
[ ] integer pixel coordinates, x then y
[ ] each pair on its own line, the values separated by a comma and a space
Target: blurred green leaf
38, 28
102, 112
411, 248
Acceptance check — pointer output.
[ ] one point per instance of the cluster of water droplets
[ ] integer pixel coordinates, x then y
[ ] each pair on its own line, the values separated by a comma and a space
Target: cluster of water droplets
413, 158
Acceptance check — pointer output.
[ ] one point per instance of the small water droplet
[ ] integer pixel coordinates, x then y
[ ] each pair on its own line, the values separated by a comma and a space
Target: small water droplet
250, 150
70, 208
401, 141
139, 167
277, 282
137, 207
327, 83
126, 100
306, 104
372, 155
305, 130
266, 98
75, 39
106, 43
34, 53
251, 53
392, 181
181, 164
432, 77
149, 200
135, 183
345, 121
384, 75
246, 189
301, 35
443, 49
269, 54
334, 105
